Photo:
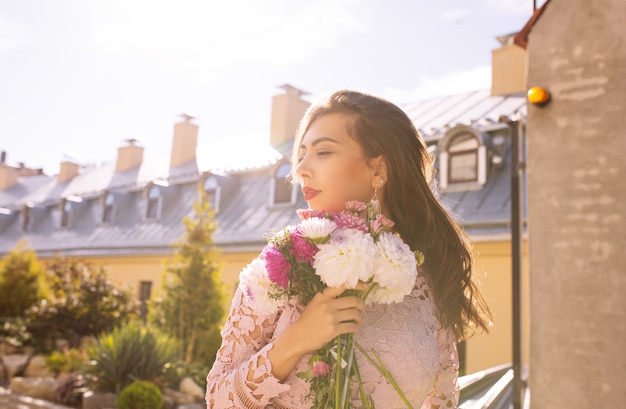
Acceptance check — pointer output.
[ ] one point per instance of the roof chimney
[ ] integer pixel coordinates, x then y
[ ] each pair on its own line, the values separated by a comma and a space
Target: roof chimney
8, 174
68, 170
185, 141
508, 67
129, 156
287, 111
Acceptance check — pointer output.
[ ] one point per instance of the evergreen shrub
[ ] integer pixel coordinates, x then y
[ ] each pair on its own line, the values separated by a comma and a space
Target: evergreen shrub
140, 395
129, 353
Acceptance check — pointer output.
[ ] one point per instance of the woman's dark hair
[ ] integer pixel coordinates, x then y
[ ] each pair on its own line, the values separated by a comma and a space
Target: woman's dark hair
382, 128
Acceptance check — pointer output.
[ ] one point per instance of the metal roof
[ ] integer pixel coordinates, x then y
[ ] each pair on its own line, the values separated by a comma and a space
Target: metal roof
433, 117
246, 170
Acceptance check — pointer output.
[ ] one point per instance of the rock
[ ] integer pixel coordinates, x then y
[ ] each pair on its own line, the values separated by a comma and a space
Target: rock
191, 406
14, 362
40, 388
98, 400
179, 398
168, 403
37, 367
188, 386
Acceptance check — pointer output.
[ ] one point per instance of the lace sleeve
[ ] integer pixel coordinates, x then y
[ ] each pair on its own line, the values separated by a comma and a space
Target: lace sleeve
241, 376
445, 391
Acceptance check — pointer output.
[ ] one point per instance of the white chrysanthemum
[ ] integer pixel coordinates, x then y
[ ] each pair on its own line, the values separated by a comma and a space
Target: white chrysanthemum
316, 227
346, 259
395, 270
257, 287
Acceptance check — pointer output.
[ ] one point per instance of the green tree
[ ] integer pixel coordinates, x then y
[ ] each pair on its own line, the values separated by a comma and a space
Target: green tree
83, 301
192, 308
22, 281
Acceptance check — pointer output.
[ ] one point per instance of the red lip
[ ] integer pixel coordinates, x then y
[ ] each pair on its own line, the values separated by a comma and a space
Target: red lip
309, 193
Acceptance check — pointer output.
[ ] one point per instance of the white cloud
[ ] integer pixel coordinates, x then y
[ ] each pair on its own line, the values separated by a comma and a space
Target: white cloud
454, 15
511, 7
12, 35
210, 37
448, 84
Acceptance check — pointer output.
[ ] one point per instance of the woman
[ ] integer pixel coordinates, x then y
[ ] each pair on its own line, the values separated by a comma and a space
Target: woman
354, 146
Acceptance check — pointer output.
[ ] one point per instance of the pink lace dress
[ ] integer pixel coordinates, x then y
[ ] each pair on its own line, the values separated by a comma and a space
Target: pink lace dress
420, 355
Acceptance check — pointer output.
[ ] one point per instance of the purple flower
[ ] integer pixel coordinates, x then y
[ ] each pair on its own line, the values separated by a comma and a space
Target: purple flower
277, 265
320, 368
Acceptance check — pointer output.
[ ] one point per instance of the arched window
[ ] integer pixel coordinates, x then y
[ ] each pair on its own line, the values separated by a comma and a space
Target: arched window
66, 213
282, 191
212, 191
153, 203
463, 158
107, 207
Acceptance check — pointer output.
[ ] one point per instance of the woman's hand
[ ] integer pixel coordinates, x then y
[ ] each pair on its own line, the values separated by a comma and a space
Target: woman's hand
325, 317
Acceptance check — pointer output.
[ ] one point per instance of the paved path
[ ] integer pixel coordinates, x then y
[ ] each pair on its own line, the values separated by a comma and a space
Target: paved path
10, 400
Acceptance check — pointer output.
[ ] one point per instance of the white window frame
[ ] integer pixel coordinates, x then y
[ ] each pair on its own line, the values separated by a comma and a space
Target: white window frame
66, 214
105, 197
159, 203
216, 190
281, 179
444, 160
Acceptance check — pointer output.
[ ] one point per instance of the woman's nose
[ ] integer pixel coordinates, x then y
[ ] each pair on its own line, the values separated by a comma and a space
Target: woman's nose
302, 169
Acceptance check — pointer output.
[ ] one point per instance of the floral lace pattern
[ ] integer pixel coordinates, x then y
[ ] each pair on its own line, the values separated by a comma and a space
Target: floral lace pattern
421, 357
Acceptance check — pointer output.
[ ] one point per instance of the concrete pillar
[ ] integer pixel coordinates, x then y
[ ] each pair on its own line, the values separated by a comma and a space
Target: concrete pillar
577, 206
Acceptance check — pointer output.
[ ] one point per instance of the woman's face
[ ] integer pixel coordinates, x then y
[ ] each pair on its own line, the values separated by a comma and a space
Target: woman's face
331, 166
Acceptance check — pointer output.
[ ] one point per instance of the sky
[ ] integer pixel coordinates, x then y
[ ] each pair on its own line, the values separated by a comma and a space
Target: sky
79, 77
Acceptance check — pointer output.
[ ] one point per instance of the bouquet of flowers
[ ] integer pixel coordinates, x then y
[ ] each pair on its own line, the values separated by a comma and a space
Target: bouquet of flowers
334, 249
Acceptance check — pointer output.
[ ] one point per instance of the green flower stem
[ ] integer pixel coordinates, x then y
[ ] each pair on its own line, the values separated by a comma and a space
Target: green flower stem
348, 371
338, 374
364, 400
378, 364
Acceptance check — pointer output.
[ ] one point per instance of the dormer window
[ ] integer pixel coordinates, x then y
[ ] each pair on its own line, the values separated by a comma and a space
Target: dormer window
108, 203
212, 191
26, 219
281, 188
66, 212
462, 159
153, 202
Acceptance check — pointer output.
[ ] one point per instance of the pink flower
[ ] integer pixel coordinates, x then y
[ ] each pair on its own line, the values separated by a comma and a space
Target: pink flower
304, 214
277, 265
385, 221
320, 368
381, 223
347, 220
302, 249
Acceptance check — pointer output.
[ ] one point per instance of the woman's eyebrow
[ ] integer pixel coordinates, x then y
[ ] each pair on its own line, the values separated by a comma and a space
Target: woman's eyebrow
320, 140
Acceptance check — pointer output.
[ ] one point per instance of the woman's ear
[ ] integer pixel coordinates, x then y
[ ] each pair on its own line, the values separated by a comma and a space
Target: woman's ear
379, 176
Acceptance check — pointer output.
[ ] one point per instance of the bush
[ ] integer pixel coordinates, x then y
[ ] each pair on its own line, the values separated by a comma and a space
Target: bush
69, 360
140, 395
127, 354
13, 332
21, 281
83, 302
